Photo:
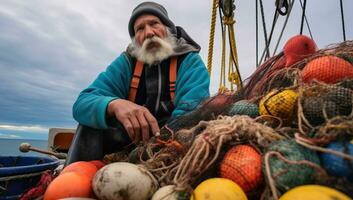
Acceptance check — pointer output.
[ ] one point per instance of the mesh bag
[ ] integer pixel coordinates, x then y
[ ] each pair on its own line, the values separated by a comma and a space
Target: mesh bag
279, 103
287, 176
244, 107
321, 102
328, 69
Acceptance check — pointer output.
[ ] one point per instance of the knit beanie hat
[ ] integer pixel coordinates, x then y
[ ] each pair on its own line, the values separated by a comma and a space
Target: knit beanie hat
153, 9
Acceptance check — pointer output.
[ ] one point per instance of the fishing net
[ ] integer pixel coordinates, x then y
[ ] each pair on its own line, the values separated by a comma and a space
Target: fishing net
321, 102
327, 69
276, 73
293, 165
336, 128
208, 110
242, 164
187, 168
254, 85
244, 107
192, 147
279, 71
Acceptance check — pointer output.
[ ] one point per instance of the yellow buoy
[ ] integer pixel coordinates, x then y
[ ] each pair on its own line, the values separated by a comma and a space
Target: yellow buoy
218, 189
313, 192
279, 103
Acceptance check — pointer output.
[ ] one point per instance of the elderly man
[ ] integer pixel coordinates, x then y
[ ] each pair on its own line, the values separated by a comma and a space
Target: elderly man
159, 77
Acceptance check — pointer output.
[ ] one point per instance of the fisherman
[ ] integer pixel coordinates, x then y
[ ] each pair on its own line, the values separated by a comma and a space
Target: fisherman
160, 76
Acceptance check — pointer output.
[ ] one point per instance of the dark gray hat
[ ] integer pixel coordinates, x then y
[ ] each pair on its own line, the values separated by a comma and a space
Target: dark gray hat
153, 9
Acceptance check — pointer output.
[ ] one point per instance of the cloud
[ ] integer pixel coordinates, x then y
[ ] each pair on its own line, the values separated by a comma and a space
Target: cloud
47, 58
37, 129
6, 136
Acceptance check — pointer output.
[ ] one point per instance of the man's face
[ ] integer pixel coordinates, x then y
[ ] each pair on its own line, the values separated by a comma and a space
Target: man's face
148, 26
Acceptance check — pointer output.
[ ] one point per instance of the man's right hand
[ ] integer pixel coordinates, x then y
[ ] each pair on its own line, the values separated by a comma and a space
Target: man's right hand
136, 119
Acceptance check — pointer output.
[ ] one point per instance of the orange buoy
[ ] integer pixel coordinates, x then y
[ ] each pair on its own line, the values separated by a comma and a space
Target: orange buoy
328, 69
297, 48
82, 167
98, 163
69, 184
242, 164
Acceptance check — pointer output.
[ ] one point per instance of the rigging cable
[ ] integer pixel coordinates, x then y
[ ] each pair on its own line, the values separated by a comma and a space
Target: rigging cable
343, 27
290, 6
302, 23
264, 27
279, 5
306, 21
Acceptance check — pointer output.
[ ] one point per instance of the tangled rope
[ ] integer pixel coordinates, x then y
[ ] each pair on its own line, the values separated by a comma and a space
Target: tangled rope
207, 146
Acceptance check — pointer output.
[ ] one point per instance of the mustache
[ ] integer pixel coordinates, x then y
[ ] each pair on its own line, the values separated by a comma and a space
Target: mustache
154, 39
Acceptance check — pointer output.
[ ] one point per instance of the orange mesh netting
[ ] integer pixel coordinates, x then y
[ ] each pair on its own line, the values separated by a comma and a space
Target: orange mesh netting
328, 69
242, 164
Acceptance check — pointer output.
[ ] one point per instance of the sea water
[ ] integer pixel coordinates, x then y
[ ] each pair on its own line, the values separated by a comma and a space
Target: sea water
10, 147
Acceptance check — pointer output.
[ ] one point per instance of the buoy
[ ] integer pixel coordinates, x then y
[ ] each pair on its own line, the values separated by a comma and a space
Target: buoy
297, 48
69, 184
242, 164
327, 69
336, 165
122, 180
82, 167
98, 163
166, 193
218, 189
320, 102
279, 103
244, 107
313, 192
288, 176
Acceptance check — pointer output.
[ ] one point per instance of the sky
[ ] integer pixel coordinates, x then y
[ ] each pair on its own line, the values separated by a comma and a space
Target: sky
51, 50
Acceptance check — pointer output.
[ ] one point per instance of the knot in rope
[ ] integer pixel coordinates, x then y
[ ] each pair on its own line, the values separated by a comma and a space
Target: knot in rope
233, 78
228, 20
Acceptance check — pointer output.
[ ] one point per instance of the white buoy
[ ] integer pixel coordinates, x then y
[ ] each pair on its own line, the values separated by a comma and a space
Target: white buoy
122, 180
167, 192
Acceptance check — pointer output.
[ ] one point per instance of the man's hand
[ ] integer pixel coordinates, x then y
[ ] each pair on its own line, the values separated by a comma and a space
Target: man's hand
136, 119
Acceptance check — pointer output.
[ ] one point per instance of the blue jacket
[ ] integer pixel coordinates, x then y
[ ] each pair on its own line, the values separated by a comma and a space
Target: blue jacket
192, 86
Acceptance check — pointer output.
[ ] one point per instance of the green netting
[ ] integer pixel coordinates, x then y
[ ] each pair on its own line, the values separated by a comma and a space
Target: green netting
287, 175
244, 107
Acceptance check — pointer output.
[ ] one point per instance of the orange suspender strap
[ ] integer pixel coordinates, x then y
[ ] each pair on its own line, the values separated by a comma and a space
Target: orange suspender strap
172, 77
137, 75
135, 80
